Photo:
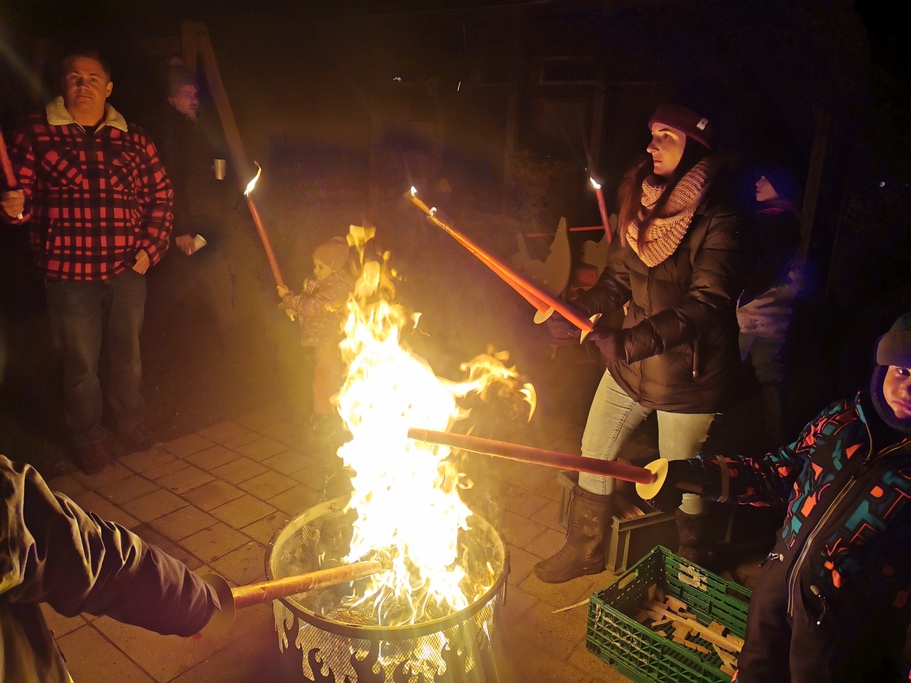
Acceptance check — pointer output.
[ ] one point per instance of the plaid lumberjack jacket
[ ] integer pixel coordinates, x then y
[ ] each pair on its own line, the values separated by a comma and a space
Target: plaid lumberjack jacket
91, 201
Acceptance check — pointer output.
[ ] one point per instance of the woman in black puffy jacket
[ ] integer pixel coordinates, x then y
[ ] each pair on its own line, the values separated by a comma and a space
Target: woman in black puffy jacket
677, 263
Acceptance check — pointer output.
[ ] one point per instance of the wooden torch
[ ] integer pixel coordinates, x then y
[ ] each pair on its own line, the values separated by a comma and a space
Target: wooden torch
264, 238
239, 597
602, 208
648, 479
537, 297
8, 176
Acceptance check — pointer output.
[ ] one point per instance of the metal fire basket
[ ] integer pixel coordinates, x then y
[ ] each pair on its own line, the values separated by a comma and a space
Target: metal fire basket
328, 649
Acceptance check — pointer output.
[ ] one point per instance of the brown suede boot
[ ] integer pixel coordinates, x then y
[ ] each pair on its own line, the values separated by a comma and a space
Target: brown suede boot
586, 535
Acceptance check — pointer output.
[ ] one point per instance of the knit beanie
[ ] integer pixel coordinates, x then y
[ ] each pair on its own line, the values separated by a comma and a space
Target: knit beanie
696, 126
893, 348
782, 179
333, 252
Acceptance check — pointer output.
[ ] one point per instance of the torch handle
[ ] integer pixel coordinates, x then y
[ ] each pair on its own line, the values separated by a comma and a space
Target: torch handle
264, 238
536, 456
8, 174
602, 207
267, 591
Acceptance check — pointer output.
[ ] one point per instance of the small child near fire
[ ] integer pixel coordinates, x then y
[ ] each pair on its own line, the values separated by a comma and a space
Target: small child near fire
320, 309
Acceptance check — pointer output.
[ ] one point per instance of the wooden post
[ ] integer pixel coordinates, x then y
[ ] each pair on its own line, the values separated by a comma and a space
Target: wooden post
188, 44
814, 179
223, 106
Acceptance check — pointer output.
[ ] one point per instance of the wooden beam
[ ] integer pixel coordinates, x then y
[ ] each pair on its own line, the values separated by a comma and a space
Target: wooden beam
189, 47
244, 170
814, 179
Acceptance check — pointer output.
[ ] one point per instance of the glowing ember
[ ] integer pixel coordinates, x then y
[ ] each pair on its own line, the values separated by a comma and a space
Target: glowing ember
406, 493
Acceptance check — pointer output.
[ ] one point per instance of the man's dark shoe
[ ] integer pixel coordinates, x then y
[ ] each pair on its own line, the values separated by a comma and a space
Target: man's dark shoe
94, 457
138, 436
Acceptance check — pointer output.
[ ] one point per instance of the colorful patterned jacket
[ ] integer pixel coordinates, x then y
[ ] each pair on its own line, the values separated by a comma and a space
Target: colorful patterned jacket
320, 308
91, 201
847, 530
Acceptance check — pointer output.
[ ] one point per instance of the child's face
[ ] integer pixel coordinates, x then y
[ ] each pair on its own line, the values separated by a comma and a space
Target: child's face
897, 391
320, 270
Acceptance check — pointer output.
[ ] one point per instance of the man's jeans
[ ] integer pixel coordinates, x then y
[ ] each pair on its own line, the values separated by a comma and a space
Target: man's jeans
614, 416
84, 314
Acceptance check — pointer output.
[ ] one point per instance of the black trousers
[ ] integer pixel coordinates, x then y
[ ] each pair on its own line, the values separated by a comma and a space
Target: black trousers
850, 642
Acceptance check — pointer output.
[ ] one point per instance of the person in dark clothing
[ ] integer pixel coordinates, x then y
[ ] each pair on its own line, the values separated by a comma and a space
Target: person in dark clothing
677, 261
201, 286
766, 306
832, 601
97, 203
55, 552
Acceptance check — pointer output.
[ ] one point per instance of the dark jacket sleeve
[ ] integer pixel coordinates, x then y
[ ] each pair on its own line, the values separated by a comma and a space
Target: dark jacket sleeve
765, 480
156, 199
55, 552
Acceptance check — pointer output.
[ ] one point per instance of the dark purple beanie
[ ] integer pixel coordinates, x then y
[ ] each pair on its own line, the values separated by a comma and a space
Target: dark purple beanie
696, 126
893, 348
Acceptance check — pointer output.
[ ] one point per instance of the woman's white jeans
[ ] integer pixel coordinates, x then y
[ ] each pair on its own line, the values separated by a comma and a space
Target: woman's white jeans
614, 416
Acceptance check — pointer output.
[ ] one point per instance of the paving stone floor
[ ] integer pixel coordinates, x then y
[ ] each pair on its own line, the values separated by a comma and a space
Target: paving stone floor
215, 498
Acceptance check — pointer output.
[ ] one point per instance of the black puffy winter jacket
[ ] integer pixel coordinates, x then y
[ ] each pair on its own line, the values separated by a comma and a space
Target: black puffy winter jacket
680, 333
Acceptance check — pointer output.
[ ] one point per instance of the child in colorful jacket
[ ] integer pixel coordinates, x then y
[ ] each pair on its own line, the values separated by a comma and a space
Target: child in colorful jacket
320, 311
832, 601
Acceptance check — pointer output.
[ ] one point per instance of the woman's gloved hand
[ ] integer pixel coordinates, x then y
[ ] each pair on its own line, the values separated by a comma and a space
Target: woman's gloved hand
610, 342
560, 331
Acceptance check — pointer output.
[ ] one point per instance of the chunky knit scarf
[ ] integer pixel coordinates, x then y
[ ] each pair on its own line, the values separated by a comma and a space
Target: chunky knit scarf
664, 234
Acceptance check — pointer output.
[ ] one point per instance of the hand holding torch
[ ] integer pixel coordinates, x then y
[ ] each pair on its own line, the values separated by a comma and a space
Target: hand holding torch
239, 597
8, 175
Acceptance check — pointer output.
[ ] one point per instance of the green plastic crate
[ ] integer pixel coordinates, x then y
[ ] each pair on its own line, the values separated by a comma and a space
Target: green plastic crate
642, 654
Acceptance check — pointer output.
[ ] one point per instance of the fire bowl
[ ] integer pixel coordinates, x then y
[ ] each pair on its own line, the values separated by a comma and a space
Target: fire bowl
325, 643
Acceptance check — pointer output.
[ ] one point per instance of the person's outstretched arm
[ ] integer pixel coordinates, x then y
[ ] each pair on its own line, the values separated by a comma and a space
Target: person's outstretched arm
56, 552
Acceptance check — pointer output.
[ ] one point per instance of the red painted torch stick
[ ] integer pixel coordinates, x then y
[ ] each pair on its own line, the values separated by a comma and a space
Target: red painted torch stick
602, 207
264, 238
535, 456
8, 175
648, 479
537, 297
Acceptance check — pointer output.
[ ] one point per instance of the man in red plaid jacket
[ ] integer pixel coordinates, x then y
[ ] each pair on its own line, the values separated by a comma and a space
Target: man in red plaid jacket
98, 205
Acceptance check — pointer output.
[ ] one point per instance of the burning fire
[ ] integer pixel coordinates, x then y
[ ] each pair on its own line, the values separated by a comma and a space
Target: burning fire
406, 492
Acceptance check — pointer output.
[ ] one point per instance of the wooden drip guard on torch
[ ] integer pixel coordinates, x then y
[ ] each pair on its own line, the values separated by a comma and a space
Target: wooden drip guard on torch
239, 597
541, 300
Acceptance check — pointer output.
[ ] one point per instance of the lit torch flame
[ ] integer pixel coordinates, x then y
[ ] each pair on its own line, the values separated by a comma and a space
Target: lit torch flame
252, 183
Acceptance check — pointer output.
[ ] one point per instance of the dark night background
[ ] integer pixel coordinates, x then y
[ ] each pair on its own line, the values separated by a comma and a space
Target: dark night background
347, 104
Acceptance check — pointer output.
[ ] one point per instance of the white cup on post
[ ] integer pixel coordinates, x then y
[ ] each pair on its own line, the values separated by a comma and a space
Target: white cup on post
198, 243
221, 168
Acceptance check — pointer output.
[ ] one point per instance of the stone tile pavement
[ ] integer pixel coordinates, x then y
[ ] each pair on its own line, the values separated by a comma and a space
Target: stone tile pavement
215, 498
